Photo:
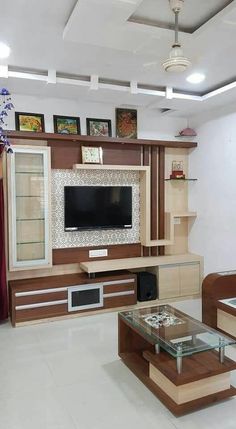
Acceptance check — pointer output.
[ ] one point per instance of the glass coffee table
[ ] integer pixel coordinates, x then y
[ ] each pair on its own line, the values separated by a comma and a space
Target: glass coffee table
165, 346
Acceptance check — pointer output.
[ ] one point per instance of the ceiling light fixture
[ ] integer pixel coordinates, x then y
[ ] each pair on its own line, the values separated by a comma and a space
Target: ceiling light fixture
196, 78
4, 50
176, 62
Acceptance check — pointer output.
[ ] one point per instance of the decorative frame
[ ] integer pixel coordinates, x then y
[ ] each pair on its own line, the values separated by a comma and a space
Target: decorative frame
66, 124
32, 122
126, 123
98, 127
92, 155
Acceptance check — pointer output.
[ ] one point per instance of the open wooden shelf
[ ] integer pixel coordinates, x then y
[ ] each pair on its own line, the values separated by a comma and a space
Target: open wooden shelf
184, 214
139, 262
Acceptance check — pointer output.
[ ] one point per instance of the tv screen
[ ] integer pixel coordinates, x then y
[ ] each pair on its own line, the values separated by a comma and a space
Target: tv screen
97, 207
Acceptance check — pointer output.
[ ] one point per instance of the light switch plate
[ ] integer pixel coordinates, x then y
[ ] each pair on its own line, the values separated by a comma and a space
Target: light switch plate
98, 253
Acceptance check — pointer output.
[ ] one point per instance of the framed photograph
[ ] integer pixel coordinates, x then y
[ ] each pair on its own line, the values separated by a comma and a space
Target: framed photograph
126, 123
98, 127
29, 122
91, 155
66, 124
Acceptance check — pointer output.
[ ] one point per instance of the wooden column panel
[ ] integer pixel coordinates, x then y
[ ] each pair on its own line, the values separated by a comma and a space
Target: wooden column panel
146, 161
161, 197
154, 196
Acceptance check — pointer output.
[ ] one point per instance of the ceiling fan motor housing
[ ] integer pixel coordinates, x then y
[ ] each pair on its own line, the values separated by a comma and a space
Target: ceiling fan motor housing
176, 5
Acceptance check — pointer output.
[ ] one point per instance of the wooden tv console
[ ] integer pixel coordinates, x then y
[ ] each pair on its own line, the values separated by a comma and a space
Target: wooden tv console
43, 298
47, 297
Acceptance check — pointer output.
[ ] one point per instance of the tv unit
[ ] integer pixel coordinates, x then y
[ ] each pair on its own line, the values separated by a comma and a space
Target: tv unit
97, 207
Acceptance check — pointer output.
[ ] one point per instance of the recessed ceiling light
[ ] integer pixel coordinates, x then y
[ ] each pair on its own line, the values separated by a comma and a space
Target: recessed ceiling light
4, 50
196, 78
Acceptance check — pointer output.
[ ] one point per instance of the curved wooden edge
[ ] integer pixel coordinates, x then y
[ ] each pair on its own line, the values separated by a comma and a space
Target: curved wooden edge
216, 286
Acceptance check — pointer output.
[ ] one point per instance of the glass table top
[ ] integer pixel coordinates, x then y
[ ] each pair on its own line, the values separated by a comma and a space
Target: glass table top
176, 332
230, 301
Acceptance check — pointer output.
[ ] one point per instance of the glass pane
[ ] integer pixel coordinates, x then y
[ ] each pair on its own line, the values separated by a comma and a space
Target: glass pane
30, 231
29, 184
178, 333
30, 207
30, 251
85, 297
29, 162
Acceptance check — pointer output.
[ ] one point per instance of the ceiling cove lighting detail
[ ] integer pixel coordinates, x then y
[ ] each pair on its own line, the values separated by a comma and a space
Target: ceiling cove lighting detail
91, 82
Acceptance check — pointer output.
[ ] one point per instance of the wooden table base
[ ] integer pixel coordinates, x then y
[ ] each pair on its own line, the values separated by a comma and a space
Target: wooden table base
204, 379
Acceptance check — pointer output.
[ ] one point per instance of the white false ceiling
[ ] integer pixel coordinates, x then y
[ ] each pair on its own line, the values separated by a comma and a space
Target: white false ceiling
156, 12
96, 37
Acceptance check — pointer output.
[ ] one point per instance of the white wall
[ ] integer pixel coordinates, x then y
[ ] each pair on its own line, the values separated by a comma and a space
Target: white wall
213, 234
150, 123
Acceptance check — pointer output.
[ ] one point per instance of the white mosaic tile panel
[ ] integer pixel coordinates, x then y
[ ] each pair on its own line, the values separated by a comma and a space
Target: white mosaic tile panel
63, 239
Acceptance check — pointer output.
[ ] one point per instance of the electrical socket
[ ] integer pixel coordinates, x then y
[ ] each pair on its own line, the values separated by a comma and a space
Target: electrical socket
98, 253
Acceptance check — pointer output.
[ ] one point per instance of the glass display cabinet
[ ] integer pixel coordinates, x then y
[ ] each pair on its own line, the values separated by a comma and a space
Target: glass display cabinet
29, 208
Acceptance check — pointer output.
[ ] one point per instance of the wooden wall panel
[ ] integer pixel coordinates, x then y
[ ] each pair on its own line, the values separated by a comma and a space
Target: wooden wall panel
118, 154
81, 254
65, 154
63, 157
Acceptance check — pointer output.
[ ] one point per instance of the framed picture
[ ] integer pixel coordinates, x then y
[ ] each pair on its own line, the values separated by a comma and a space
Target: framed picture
91, 155
126, 123
66, 124
98, 127
29, 122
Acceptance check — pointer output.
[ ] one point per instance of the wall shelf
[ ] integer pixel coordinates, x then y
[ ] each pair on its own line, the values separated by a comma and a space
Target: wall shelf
110, 167
48, 137
181, 180
185, 214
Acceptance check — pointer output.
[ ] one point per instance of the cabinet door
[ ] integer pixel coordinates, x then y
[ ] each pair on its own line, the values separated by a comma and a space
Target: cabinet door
29, 208
189, 279
168, 281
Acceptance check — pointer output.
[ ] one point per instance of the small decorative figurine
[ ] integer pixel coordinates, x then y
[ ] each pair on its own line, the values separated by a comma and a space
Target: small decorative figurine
177, 170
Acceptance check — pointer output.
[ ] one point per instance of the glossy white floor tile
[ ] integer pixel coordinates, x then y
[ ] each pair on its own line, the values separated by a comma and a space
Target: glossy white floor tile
67, 375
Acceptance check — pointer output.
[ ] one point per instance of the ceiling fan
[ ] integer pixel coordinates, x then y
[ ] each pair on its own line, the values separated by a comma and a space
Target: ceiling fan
176, 62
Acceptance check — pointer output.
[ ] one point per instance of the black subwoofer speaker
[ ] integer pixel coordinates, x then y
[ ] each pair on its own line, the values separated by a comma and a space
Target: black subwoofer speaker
147, 288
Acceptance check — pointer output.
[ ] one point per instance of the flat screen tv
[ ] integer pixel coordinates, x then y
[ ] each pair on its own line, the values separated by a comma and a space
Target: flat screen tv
97, 207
